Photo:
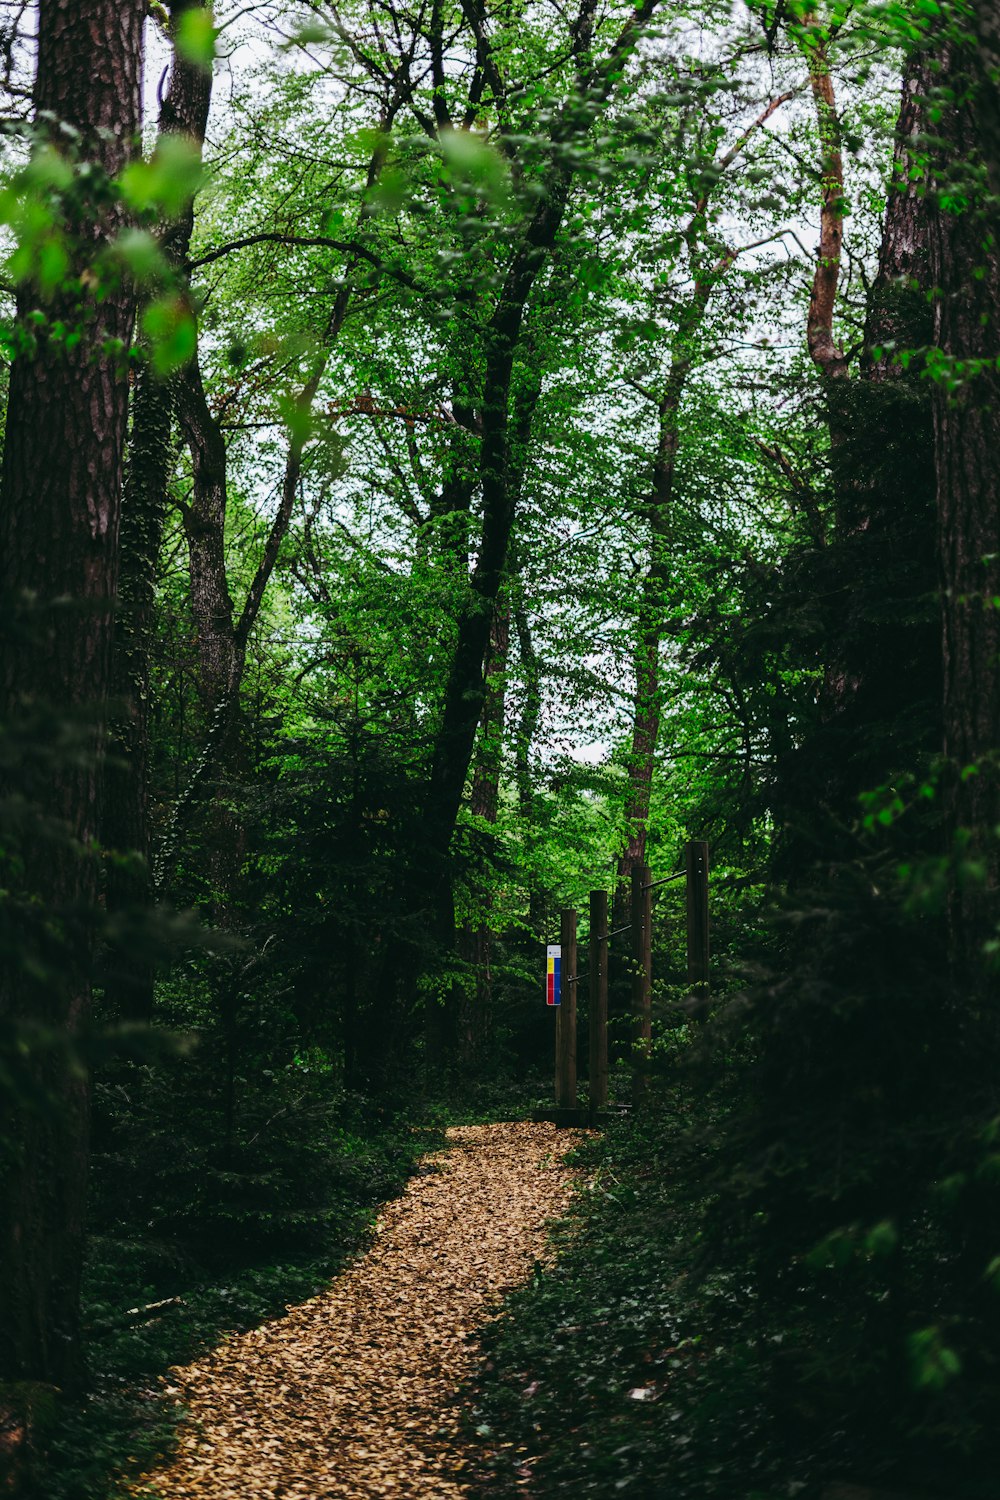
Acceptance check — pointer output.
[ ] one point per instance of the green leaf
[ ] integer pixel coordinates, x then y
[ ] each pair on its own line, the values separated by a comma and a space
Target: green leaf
167, 182
141, 255
195, 37
933, 1365
172, 332
297, 417
48, 168
308, 33
882, 1238
53, 263
391, 190
472, 159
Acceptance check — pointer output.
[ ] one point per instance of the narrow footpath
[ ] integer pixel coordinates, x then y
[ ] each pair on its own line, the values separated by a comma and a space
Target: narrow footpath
353, 1393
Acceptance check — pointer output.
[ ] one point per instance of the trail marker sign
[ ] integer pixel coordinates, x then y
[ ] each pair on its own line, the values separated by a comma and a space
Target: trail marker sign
553, 965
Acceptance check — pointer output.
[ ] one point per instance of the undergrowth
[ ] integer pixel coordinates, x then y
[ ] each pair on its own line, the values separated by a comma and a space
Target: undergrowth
649, 1361
194, 1237
604, 1374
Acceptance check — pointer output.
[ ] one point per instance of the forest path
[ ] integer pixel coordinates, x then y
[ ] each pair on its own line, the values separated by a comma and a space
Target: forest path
353, 1393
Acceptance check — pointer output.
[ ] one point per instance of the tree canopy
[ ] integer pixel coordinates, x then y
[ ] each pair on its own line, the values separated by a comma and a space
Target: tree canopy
455, 453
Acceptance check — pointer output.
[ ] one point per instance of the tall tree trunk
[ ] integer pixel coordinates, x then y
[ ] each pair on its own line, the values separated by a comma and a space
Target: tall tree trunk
484, 802
499, 470
473, 665
60, 500
125, 816
465, 689
125, 831
524, 741
893, 322
891, 646
967, 444
499, 476
826, 352
708, 264
646, 713
879, 707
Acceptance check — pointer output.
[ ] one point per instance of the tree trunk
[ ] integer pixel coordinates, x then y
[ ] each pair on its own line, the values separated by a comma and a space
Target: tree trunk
874, 562
506, 411
125, 831
125, 821
60, 500
826, 353
500, 481
646, 715
524, 740
707, 266
967, 446
902, 275
476, 939
878, 708
891, 650
504, 434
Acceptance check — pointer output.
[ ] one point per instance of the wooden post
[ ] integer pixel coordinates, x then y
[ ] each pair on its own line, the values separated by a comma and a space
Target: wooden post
696, 860
566, 1019
642, 973
598, 1000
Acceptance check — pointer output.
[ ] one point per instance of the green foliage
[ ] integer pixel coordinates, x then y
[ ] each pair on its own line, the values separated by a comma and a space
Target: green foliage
195, 35
191, 1240
169, 326
616, 1370
663, 1354
791, 1272
164, 185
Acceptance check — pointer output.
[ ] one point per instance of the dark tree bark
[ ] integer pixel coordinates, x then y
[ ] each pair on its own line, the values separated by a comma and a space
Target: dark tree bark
466, 686
893, 320
484, 802
125, 830
646, 712
499, 476
986, 24
873, 567
525, 735
708, 264
125, 821
891, 650
967, 445
60, 500
826, 352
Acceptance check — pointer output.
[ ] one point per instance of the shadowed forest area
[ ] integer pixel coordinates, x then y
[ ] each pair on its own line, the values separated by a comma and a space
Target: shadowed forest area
456, 453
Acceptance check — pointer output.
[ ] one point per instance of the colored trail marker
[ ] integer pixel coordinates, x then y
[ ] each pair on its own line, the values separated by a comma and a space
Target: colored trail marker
553, 967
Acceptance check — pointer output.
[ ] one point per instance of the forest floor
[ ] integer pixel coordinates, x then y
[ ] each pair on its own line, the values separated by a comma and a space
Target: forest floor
354, 1393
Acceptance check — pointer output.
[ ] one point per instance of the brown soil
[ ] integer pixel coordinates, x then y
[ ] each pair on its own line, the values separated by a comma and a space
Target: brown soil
353, 1394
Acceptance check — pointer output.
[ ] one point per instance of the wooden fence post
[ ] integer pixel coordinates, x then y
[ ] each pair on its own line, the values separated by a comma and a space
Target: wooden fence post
566, 1018
696, 861
642, 974
598, 1000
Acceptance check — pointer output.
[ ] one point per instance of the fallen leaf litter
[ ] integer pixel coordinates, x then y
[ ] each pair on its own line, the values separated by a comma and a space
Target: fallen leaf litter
353, 1394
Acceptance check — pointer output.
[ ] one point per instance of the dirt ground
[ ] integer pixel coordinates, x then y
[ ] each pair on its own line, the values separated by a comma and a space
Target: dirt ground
353, 1393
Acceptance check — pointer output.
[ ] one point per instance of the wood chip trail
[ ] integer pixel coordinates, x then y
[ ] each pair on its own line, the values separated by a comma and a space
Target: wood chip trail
353, 1393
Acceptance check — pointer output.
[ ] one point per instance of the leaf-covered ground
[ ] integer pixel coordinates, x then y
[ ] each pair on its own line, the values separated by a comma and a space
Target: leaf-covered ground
353, 1394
